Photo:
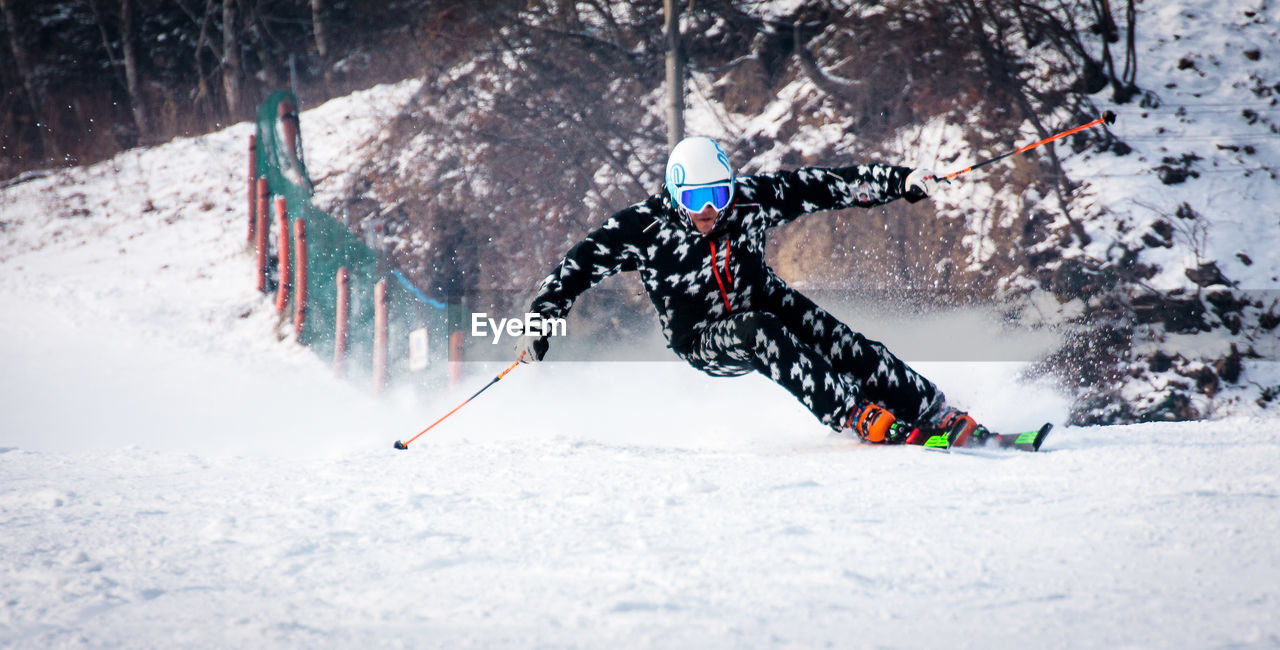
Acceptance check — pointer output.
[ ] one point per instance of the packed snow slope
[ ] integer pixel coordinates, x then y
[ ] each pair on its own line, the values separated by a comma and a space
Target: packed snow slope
174, 472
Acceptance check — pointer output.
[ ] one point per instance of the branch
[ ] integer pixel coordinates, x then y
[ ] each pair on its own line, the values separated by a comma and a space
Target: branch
827, 83
106, 42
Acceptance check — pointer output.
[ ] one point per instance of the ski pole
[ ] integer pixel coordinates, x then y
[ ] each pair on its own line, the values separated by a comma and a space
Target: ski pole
1108, 117
405, 445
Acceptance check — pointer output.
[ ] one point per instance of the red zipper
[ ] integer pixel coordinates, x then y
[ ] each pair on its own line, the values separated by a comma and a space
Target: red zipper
716, 271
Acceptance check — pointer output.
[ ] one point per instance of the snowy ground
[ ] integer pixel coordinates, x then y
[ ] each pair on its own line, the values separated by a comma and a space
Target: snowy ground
1153, 536
173, 473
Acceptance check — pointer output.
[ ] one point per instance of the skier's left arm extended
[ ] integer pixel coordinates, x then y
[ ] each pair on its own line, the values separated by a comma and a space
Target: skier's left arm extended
793, 193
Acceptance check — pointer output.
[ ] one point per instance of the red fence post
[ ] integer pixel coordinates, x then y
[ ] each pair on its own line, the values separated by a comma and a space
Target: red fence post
380, 336
340, 322
455, 358
282, 251
260, 233
299, 276
253, 186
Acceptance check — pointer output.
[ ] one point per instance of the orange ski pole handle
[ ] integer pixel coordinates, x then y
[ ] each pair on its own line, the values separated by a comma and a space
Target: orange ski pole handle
1108, 117
405, 445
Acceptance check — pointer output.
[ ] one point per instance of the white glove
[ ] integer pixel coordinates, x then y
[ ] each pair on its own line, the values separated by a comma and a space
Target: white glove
921, 182
530, 348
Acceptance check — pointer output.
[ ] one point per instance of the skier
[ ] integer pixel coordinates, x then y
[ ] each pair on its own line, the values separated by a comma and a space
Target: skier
700, 250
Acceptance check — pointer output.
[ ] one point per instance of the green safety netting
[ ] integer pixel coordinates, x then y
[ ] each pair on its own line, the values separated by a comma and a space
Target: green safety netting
330, 246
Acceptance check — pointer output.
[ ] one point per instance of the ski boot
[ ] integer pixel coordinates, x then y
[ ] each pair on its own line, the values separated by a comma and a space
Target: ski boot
960, 427
873, 423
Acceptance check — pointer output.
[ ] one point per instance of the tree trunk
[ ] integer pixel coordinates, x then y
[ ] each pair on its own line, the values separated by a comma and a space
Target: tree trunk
318, 10
35, 94
1130, 48
203, 95
230, 59
317, 27
675, 74
137, 102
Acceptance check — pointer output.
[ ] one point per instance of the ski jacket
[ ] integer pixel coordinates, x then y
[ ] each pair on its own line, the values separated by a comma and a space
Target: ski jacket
694, 279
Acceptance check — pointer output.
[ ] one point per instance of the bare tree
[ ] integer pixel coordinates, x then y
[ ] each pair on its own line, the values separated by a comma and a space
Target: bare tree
988, 31
1124, 85
318, 10
317, 27
202, 41
231, 81
35, 94
1130, 76
127, 61
204, 96
137, 103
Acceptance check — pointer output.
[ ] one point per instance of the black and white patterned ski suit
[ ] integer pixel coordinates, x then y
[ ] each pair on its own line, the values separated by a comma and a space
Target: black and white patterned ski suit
723, 310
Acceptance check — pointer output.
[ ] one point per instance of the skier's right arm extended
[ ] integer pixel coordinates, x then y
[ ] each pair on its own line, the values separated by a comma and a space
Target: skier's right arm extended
601, 254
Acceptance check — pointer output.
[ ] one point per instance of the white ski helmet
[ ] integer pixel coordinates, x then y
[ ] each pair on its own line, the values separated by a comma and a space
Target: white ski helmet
698, 173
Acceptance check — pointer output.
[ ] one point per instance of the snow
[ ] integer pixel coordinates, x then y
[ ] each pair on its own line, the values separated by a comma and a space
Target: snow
174, 471
1212, 109
1144, 536
1218, 104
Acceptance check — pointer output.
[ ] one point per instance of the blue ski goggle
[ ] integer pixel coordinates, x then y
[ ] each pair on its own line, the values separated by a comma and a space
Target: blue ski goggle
694, 199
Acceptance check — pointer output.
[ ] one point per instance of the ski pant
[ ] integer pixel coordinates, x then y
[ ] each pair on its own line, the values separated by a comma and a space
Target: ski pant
822, 362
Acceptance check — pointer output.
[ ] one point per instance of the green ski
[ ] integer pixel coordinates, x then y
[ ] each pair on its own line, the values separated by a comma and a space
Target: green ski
1025, 441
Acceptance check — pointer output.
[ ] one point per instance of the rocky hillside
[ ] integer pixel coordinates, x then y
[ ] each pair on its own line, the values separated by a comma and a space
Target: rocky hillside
1171, 298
